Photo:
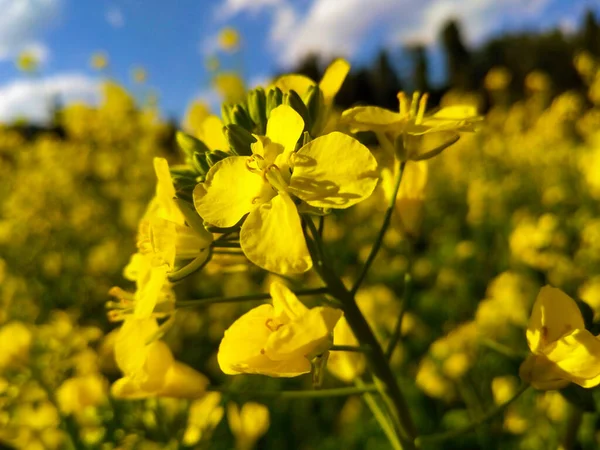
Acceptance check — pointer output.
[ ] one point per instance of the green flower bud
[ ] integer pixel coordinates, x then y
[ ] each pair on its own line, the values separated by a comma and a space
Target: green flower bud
257, 107
315, 105
241, 117
293, 99
227, 113
274, 99
240, 140
189, 144
215, 156
200, 163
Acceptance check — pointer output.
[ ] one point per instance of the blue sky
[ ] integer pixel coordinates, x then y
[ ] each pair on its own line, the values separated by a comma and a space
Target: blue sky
172, 39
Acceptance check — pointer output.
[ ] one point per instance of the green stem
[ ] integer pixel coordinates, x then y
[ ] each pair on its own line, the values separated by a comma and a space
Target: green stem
225, 244
380, 416
348, 348
442, 437
399, 167
502, 349
243, 298
361, 329
198, 263
313, 393
571, 428
397, 333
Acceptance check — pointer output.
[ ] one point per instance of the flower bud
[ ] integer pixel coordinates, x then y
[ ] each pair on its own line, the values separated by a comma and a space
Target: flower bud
257, 104
239, 139
274, 99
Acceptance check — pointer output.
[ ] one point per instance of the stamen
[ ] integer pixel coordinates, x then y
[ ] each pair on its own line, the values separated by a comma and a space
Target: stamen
403, 103
422, 108
272, 325
414, 103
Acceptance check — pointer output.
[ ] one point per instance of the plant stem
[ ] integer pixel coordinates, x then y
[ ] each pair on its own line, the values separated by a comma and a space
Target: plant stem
380, 416
571, 428
313, 393
243, 298
442, 437
225, 244
399, 167
198, 263
361, 329
397, 334
348, 348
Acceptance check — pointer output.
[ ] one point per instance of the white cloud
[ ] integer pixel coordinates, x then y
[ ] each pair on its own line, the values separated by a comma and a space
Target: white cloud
22, 21
339, 27
114, 16
233, 7
32, 99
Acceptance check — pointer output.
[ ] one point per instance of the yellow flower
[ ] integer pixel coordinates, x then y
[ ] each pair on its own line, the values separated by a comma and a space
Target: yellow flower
411, 195
79, 393
15, 341
149, 367
229, 39
204, 416
411, 120
278, 340
563, 351
27, 62
163, 234
345, 365
248, 424
152, 290
230, 86
99, 61
139, 75
332, 171
330, 84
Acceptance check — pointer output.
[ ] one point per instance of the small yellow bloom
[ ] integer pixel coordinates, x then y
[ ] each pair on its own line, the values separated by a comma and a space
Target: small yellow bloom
15, 341
27, 62
149, 367
330, 84
139, 75
563, 351
230, 86
248, 424
411, 195
332, 171
345, 365
163, 234
99, 61
278, 340
229, 39
204, 416
411, 121
79, 393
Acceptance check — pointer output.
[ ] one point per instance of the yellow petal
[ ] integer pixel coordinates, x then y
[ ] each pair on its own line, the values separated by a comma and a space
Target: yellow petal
578, 355
130, 344
285, 127
211, 133
272, 238
229, 192
149, 287
333, 171
345, 365
285, 303
333, 78
242, 348
542, 373
244, 339
554, 315
182, 381
165, 192
307, 336
372, 118
294, 82
414, 180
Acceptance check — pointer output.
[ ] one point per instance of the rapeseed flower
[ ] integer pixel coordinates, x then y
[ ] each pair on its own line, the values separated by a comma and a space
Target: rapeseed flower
392, 127
248, 423
149, 367
563, 351
277, 340
332, 171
